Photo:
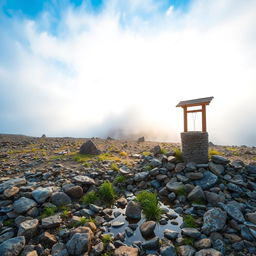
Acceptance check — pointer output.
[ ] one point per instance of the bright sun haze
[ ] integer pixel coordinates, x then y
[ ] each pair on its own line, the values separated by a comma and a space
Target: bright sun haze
100, 68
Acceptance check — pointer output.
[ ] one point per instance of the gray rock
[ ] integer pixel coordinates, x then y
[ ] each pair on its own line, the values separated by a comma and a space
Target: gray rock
203, 243
7, 235
28, 228
171, 197
52, 221
41, 194
246, 234
234, 188
197, 194
152, 244
208, 181
74, 192
79, 244
219, 245
168, 250
85, 180
12, 182
219, 159
155, 184
98, 249
208, 252
60, 199
251, 217
9, 192
133, 210
126, 250
23, 204
175, 186
213, 198
141, 176
217, 169
117, 224
191, 232
13, 246
186, 250
233, 211
89, 148
170, 234
155, 162
156, 150
59, 249
214, 220
147, 228
194, 175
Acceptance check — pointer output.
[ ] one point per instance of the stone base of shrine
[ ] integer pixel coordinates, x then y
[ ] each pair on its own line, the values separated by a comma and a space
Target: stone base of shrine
195, 147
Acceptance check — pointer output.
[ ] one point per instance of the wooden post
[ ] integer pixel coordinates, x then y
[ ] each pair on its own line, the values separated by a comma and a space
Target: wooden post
185, 119
203, 118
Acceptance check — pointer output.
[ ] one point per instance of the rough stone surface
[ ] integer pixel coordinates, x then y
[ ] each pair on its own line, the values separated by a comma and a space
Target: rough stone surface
186, 250
133, 210
147, 228
126, 251
23, 204
195, 147
13, 246
196, 194
52, 221
208, 181
12, 182
214, 220
75, 192
9, 192
89, 148
28, 228
208, 252
85, 180
175, 186
79, 244
217, 169
41, 194
233, 211
251, 217
168, 251
219, 159
60, 199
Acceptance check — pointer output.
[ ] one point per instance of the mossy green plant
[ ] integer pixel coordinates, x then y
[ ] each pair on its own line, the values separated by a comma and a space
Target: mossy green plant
48, 211
120, 179
106, 239
178, 154
163, 151
8, 223
85, 220
181, 191
90, 197
114, 167
107, 193
188, 241
150, 205
189, 221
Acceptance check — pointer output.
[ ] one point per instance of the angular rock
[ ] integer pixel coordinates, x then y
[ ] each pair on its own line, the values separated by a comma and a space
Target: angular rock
208, 252
84, 180
233, 211
141, 176
79, 244
197, 194
203, 243
133, 210
98, 249
217, 169
13, 246
214, 220
12, 182
191, 232
7, 235
28, 228
170, 234
194, 175
208, 181
147, 228
213, 198
175, 186
59, 249
251, 217
127, 251
152, 244
52, 221
41, 194
60, 199
74, 192
23, 204
186, 250
89, 148
219, 159
168, 251
234, 188
47, 239
9, 192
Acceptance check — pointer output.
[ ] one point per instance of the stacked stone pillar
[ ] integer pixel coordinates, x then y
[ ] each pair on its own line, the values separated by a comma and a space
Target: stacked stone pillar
195, 147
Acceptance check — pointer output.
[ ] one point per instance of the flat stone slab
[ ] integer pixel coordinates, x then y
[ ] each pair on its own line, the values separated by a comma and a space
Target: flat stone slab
233, 211
208, 181
23, 204
84, 180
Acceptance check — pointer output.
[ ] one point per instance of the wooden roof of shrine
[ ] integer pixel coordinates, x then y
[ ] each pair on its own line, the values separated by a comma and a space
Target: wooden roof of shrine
195, 102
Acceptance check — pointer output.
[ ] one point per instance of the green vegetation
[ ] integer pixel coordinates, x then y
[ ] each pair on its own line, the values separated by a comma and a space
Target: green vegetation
84, 220
189, 241
123, 154
212, 152
106, 239
87, 164
199, 201
119, 179
7, 222
181, 192
146, 153
114, 167
150, 205
147, 167
189, 221
178, 154
163, 151
90, 197
107, 193
48, 211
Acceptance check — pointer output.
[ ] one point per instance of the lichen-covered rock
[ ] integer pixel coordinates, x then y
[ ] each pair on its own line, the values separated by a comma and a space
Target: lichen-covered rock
79, 244
197, 194
214, 220
52, 221
233, 211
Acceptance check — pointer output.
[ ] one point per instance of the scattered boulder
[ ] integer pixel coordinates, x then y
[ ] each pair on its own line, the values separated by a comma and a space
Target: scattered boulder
13, 246
133, 210
197, 194
208, 181
89, 148
79, 244
41, 194
23, 204
147, 228
60, 199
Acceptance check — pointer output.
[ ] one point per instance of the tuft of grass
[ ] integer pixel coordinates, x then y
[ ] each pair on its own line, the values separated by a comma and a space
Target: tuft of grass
66, 213
178, 154
83, 158
147, 167
107, 193
150, 205
188, 241
114, 167
119, 179
7, 223
90, 197
85, 220
87, 164
106, 239
48, 211
189, 221
146, 153
181, 191
107, 157
199, 201
123, 154
163, 151
212, 152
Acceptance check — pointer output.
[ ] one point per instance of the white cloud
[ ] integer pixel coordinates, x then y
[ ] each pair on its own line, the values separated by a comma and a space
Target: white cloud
128, 66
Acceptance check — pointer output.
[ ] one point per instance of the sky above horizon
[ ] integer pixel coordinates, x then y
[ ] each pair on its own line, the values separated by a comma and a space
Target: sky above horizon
118, 68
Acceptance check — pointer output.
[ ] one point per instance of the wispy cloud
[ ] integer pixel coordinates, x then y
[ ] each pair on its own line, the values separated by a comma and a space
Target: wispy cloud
87, 73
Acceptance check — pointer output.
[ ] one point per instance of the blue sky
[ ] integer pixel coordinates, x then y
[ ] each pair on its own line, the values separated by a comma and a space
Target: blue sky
73, 68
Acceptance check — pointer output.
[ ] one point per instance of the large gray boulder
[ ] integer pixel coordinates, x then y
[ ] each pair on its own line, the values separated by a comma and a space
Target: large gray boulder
214, 220
13, 246
23, 204
89, 148
79, 244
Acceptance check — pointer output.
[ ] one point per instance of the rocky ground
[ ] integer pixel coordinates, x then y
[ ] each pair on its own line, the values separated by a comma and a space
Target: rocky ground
45, 207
